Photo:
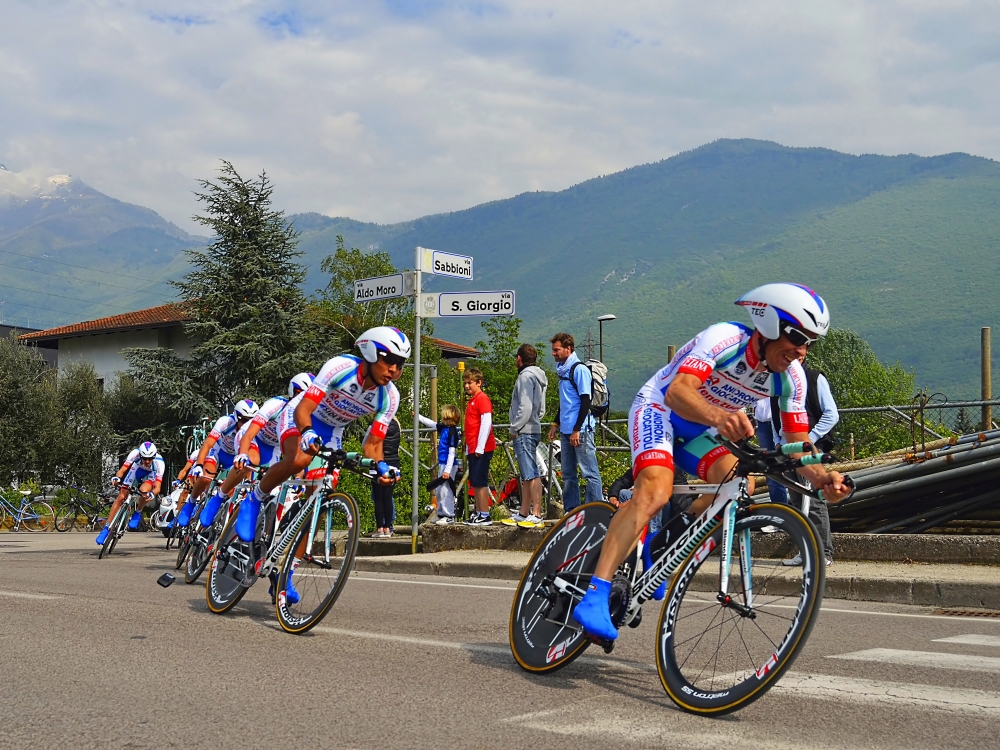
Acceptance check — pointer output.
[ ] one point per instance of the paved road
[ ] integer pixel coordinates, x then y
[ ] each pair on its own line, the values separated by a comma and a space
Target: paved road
94, 654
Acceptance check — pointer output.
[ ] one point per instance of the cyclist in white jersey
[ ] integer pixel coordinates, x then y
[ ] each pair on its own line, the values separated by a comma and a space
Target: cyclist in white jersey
145, 466
345, 389
219, 448
256, 443
701, 394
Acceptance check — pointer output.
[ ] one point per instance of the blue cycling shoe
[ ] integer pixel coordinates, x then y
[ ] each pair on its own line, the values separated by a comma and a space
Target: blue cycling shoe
246, 520
291, 595
133, 522
592, 611
184, 517
103, 536
211, 510
647, 563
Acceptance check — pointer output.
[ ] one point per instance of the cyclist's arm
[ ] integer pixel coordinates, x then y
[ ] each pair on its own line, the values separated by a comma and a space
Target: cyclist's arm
683, 399
305, 408
248, 436
372, 447
182, 474
209, 443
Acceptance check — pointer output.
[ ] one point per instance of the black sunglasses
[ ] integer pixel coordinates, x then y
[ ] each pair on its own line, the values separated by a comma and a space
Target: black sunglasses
393, 360
797, 337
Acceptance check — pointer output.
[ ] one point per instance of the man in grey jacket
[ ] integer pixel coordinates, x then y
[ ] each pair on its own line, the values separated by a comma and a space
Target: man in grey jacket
527, 406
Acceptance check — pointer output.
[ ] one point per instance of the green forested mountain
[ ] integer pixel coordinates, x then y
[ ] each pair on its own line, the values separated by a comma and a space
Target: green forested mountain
904, 249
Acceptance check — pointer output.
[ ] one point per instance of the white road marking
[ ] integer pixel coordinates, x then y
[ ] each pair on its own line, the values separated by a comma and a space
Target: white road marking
994, 621
972, 639
932, 659
436, 583
24, 595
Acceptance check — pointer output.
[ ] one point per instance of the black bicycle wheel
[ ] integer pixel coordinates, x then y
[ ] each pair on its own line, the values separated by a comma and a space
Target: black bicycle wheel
230, 573
201, 550
329, 541
67, 517
716, 655
113, 526
543, 635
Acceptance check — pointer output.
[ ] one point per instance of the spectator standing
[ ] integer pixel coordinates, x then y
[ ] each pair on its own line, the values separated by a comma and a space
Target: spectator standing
823, 417
385, 506
479, 445
575, 423
447, 430
769, 440
527, 407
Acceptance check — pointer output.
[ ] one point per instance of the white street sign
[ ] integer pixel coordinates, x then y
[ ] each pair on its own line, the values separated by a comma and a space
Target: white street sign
464, 304
383, 287
445, 264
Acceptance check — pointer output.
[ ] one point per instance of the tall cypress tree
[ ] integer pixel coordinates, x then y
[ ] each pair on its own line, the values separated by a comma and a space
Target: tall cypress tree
243, 291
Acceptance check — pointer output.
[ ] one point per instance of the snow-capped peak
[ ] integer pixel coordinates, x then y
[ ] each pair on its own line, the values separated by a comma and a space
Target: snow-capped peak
32, 183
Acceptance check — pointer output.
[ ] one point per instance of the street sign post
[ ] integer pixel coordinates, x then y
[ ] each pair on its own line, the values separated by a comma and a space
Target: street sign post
466, 304
383, 287
444, 264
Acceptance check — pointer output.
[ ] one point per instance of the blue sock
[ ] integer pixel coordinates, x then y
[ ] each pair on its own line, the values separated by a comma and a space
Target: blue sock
211, 509
592, 611
184, 517
133, 522
246, 519
647, 563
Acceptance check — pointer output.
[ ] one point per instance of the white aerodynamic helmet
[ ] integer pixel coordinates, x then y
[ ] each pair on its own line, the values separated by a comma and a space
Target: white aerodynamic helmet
246, 409
147, 450
299, 383
775, 307
384, 340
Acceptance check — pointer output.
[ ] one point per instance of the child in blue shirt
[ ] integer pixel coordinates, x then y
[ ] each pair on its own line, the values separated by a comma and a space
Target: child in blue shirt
447, 448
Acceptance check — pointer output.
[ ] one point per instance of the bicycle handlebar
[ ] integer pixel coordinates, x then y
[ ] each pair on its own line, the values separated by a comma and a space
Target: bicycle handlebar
774, 464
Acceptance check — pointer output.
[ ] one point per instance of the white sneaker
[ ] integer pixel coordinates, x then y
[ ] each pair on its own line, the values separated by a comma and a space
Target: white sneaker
531, 522
797, 560
828, 561
769, 529
514, 520
445, 521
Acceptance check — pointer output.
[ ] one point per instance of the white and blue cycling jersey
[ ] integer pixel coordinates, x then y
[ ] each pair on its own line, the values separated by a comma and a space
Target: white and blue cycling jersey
266, 439
137, 472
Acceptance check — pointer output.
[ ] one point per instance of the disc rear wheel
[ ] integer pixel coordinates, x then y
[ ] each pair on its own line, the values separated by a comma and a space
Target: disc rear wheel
543, 635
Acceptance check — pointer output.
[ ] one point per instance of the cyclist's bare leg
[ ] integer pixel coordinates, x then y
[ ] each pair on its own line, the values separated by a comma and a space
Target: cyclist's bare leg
202, 482
140, 501
118, 502
236, 476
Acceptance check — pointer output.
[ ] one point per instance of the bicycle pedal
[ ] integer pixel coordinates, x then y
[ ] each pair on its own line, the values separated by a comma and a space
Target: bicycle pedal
604, 643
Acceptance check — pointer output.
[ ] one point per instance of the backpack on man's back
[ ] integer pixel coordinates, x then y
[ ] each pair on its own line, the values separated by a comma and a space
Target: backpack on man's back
600, 396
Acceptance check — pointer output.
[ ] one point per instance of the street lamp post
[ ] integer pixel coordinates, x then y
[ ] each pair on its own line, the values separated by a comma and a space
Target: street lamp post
600, 331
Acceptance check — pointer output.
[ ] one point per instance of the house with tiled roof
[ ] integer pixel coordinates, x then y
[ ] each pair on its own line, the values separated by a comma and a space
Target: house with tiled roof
101, 341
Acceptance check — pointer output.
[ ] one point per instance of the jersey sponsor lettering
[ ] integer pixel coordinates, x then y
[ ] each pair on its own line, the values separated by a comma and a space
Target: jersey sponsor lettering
697, 367
340, 397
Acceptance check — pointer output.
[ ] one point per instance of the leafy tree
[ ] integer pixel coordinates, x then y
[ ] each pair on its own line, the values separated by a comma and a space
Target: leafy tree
85, 434
27, 411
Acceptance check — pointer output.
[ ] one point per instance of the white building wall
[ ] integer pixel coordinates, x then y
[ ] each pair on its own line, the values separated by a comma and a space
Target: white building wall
104, 350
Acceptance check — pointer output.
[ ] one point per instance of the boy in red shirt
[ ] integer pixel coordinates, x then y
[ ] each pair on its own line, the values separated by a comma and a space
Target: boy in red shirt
479, 444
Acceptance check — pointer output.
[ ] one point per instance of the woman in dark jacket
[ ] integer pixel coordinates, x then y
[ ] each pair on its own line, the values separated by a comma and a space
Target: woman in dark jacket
385, 509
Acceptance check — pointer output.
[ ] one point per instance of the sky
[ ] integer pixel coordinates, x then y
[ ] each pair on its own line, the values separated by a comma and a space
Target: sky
387, 110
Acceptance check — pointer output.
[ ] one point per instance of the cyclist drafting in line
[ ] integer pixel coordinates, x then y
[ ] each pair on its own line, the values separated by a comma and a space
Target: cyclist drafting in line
182, 476
217, 452
701, 394
146, 466
346, 389
257, 443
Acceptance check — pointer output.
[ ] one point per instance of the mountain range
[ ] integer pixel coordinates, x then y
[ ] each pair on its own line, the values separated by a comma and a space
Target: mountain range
903, 248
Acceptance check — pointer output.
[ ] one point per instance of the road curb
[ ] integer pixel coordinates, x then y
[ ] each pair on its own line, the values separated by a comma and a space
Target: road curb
414, 565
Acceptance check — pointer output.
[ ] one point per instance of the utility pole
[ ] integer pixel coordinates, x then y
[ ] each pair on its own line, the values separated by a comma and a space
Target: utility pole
986, 377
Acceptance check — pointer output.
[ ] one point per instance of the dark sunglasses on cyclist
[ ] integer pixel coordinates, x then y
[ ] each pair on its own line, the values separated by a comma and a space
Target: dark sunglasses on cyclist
797, 337
393, 360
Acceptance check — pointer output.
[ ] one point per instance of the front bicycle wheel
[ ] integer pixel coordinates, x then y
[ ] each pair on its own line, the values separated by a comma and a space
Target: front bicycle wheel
231, 566
543, 635
318, 563
202, 549
38, 516
67, 517
716, 654
115, 527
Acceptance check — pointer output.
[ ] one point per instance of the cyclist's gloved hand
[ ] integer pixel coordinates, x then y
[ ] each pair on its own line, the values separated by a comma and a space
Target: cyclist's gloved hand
115, 481
385, 471
241, 462
196, 471
175, 484
309, 440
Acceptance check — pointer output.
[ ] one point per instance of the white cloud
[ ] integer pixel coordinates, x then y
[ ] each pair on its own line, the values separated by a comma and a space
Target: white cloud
386, 111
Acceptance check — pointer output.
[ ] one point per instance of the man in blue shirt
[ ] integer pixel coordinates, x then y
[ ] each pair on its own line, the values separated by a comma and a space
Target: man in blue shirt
578, 453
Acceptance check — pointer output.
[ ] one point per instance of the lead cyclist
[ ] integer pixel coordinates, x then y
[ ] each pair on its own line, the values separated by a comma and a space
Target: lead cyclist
701, 394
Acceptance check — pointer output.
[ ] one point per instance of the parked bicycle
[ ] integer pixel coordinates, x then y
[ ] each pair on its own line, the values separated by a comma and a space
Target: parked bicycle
317, 541
30, 515
86, 509
714, 653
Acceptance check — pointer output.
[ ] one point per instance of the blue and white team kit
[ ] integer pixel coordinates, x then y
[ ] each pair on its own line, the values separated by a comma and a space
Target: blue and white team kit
266, 439
137, 473
732, 377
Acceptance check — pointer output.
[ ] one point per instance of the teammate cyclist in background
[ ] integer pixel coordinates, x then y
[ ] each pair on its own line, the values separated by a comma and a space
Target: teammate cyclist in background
346, 388
701, 394
217, 452
257, 443
143, 465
